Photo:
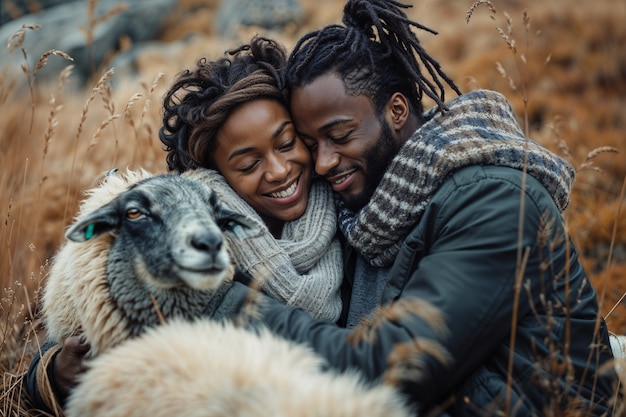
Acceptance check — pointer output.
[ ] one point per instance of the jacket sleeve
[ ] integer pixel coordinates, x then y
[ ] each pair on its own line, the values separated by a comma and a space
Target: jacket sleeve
40, 387
326, 338
465, 268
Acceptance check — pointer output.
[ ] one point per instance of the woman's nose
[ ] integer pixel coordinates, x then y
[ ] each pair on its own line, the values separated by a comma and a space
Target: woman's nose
277, 168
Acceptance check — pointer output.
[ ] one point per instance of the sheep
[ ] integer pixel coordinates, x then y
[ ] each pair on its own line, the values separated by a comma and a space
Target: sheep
204, 368
161, 229
142, 262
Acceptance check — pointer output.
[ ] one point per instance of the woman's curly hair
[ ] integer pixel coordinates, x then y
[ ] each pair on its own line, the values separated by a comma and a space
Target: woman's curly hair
200, 100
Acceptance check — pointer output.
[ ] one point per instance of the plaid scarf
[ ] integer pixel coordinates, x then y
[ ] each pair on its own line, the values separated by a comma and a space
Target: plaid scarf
479, 129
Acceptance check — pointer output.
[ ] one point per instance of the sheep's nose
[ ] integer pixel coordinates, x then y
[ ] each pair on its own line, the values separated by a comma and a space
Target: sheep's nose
207, 242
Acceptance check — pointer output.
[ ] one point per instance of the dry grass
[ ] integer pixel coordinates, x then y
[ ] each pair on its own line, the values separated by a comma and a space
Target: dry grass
562, 67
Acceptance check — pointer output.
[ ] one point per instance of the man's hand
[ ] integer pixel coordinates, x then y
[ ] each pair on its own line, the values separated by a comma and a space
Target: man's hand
69, 364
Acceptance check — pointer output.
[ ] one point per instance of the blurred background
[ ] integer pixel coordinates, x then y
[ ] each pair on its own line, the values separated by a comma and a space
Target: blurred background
81, 87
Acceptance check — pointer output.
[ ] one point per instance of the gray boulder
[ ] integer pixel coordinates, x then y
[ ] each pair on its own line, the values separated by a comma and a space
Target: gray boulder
60, 29
12, 9
268, 14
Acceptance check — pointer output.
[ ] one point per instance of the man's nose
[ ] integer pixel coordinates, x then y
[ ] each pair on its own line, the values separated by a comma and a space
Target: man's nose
326, 159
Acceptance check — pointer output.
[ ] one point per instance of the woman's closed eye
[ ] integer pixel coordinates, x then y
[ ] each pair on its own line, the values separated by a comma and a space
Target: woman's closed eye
288, 145
248, 167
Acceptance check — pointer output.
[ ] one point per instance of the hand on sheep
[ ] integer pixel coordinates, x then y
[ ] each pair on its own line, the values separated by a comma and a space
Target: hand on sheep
69, 364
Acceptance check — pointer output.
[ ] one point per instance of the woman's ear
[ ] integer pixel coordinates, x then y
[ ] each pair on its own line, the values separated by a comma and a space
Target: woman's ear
397, 111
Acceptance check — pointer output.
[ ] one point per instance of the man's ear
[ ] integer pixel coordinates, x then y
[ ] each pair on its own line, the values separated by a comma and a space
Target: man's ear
397, 111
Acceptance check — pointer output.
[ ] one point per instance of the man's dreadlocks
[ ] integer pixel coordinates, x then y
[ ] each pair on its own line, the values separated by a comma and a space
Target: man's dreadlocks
376, 54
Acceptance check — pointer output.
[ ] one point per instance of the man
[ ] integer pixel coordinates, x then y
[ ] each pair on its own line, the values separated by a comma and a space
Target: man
453, 208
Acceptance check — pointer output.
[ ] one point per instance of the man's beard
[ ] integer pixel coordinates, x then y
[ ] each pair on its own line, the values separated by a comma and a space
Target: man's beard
377, 160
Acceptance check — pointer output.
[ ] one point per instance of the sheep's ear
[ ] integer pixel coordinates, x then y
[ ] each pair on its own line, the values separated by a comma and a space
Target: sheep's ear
241, 225
100, 221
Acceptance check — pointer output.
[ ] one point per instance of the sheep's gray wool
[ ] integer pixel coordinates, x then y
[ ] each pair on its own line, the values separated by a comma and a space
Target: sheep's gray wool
142, 245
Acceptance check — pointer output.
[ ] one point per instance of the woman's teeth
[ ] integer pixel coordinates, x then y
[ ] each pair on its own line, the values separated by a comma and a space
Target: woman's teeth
286, 193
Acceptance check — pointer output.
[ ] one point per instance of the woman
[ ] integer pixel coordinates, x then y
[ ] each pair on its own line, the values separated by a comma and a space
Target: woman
230, 116
226, 122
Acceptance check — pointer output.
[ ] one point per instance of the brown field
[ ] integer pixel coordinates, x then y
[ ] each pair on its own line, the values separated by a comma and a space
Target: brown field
562, 65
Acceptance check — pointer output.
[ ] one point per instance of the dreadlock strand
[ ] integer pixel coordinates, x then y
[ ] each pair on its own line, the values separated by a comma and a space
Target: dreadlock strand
375, 52
408, 44
309, 42
393, 28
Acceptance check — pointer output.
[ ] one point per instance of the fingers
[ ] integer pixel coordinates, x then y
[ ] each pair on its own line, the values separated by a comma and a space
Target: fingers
69, 364
76, 348
76, 345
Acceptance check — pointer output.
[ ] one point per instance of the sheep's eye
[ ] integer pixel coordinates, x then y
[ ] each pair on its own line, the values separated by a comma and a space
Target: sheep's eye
133, 213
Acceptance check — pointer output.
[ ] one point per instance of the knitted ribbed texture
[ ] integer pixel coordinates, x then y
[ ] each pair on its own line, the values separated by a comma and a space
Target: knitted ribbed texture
304, 267
479, 129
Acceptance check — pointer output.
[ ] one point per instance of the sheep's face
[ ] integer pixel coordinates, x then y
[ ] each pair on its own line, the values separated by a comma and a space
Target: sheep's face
168, 234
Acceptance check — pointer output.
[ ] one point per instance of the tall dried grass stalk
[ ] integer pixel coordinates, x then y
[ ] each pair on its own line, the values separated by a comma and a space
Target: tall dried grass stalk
520, 61
109, 106
81, 124
92, 22
609, 263
19, 217
43, 59
519, 274
55, 108
17, 41
407, 360
6, 86
588, 163
522, 252
476, 5
148, 102
365, 331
